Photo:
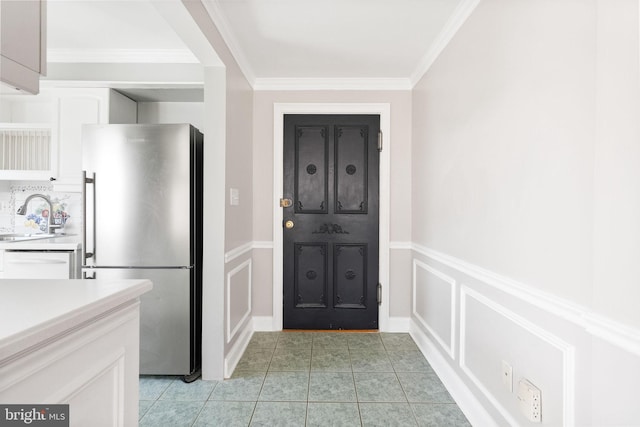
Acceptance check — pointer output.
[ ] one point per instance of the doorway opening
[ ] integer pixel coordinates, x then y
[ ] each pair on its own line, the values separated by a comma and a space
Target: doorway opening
383, 111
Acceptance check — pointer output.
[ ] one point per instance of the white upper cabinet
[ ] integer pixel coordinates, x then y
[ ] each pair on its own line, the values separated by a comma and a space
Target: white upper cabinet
77, 107
23, 43
61, 112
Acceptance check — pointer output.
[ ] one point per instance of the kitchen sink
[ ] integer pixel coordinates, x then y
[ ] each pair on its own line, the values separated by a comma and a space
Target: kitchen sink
23, 237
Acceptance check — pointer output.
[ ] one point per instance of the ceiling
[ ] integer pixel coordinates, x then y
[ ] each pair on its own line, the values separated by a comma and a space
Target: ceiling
276, 42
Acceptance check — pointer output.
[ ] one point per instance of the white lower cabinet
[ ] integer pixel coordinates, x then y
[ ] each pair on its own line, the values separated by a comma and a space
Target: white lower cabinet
40, 264
93, 368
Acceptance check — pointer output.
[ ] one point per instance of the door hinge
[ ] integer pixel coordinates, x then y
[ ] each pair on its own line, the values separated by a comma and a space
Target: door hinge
379, 293
379, 141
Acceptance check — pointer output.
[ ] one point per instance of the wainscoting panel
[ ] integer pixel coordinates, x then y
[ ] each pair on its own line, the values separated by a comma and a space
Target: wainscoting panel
545, 339
490, 334
434, 304
238, 304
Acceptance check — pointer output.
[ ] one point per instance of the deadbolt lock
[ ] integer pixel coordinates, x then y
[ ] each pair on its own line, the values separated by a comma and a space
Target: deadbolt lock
285, 203
289, 224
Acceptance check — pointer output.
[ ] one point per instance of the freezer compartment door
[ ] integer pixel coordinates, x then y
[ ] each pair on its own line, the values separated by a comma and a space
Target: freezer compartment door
140, 202
168, 336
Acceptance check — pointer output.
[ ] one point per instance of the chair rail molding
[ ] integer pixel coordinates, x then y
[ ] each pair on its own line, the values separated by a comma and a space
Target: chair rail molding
609, 330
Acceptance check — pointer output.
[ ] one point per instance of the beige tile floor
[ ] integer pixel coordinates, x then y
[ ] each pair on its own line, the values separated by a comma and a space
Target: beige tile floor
310, 379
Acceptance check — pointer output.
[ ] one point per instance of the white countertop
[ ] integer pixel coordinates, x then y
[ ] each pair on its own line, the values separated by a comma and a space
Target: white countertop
32, 311
65, 242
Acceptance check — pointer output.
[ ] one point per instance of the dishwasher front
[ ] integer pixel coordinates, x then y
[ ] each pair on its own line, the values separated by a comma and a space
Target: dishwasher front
41, 264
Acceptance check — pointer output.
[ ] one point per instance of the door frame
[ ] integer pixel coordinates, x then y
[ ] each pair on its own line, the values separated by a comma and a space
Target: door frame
279, 111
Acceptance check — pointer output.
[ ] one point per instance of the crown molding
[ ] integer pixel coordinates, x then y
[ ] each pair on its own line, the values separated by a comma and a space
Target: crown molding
457, 19
331, 84
185, 56
459, 16
117, 84
135, 56
222, 24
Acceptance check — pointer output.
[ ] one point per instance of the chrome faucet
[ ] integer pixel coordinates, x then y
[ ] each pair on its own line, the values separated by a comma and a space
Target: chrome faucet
22, 210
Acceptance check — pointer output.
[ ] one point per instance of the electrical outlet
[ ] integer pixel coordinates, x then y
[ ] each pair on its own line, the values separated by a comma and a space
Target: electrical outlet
530, 400
507, 376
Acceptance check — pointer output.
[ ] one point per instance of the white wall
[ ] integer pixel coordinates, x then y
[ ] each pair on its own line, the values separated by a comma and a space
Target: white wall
617, 160
172, 112
525, 210
513, 182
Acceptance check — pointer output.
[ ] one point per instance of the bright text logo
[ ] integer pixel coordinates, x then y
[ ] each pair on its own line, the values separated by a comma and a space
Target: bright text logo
34, 415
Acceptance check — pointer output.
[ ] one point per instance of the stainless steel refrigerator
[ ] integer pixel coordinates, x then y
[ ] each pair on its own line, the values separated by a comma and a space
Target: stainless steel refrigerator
143, 219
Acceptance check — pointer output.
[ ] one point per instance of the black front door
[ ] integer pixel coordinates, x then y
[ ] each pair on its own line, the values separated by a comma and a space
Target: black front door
330, 252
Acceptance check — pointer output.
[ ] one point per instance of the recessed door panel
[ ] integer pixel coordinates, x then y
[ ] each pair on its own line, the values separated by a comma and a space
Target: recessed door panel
311, 152
351, 169
350, 276
311, 275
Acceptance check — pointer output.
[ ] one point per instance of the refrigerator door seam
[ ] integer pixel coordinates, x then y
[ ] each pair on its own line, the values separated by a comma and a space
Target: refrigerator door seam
146, 267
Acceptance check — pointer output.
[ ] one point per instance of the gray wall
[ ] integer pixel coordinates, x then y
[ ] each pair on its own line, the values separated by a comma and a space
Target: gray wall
228, 124
526, 199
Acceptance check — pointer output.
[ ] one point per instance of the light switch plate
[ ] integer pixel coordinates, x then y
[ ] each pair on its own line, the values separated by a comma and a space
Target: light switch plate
234, 196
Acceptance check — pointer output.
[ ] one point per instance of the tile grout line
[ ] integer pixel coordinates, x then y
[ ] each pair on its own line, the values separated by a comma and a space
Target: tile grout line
351, 348
306, 414
205, 402
264, 380
395, 372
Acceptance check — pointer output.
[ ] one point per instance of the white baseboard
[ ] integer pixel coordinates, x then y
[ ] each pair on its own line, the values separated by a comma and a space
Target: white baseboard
263, 323
233, 356
470, 406
398, 324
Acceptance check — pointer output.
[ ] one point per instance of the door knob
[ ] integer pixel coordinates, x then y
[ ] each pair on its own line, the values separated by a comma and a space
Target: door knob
289, 224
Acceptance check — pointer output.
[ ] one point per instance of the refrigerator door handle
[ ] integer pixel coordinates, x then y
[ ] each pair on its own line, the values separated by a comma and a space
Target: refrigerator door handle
86, 254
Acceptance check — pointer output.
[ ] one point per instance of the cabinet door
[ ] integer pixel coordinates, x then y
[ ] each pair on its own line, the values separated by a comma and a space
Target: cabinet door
74, 111
77, 107
22, 43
